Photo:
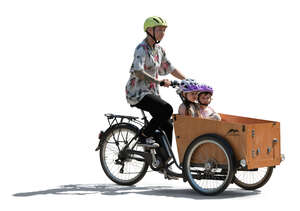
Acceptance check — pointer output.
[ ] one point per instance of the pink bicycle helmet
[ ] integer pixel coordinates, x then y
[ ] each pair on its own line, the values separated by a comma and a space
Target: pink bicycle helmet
206, 89
189, 85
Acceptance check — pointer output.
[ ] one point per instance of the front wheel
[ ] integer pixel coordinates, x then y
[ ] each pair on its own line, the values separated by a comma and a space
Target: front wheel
253, 179
208, 164
126, 171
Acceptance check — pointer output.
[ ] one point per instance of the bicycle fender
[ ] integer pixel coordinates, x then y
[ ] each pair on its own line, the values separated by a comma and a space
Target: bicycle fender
100, 137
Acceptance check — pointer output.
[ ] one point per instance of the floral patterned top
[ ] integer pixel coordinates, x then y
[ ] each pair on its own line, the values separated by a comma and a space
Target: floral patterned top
209, 113
154, 62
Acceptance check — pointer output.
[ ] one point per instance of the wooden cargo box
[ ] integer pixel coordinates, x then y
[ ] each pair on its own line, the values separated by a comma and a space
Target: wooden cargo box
257, 141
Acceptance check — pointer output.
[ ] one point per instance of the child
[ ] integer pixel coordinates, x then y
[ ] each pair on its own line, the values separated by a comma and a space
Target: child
188, 91
204, 99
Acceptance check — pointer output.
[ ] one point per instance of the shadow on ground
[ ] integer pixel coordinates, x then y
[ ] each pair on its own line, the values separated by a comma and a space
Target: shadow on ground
114, 190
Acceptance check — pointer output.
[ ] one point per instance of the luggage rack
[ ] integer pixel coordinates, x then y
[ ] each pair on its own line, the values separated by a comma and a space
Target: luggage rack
119, 119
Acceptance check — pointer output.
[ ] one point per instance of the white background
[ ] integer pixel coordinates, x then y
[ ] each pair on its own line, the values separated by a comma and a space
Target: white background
65, 63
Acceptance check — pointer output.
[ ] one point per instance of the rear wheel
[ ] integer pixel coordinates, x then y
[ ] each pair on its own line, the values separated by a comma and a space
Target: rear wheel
208, 164
125, 171
253, 179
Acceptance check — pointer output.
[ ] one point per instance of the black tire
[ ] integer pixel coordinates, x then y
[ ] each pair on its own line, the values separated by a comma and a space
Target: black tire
200, 175
133, 170
252, 180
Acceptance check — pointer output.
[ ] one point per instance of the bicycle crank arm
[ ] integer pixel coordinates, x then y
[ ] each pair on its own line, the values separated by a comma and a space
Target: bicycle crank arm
172, 173
145, 155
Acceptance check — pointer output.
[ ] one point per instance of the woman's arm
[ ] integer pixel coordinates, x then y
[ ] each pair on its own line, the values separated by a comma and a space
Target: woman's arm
178, 74
145, 76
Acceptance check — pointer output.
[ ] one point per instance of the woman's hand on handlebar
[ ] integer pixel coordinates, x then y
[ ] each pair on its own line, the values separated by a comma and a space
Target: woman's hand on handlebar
165, 83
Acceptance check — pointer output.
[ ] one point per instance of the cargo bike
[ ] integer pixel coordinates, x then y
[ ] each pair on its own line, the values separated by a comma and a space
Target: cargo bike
212, 154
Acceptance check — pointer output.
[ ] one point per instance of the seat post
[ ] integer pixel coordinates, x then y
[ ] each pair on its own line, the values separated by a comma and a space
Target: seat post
144, 117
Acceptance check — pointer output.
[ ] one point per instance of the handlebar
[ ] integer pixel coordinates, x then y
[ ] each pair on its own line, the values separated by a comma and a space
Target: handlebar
173, 83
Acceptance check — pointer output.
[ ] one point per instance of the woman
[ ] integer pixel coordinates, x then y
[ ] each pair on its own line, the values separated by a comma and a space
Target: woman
142, 88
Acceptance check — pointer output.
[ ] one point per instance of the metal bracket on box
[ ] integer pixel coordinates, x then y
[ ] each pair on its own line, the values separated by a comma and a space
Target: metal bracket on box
253, 133
258, 151
275, 140
269, 149
253, 153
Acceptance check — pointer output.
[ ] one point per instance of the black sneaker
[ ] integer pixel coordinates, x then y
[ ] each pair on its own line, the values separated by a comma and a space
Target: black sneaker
168, 176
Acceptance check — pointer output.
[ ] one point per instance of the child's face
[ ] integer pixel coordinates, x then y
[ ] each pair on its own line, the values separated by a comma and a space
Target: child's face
191, 96
205, 98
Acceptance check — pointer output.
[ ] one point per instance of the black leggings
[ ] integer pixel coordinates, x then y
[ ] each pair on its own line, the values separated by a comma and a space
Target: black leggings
161, 111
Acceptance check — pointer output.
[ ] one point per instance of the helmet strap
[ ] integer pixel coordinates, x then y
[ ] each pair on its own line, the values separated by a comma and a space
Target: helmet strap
153, 36
203, 104
182, 97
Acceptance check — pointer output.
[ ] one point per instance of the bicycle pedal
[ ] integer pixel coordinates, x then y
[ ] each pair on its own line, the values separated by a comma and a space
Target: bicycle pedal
169, 177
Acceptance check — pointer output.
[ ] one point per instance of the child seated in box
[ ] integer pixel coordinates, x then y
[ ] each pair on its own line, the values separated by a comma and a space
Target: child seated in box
190, 91
204, 99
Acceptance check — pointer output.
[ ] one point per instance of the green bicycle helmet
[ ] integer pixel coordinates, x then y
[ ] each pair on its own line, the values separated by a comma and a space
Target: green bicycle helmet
153, 22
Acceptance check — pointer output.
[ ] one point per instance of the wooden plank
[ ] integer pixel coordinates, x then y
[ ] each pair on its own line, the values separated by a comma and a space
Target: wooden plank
264, 150
242, 120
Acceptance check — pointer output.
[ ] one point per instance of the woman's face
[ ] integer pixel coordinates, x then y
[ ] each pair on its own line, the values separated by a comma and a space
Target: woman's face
159, 32
205, 98
191, 96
